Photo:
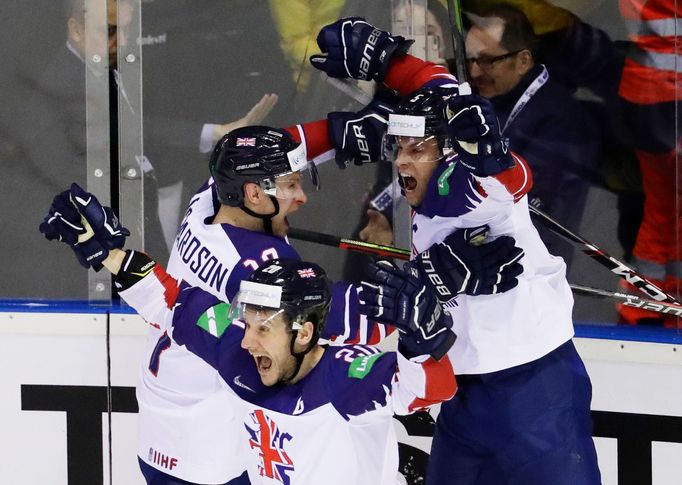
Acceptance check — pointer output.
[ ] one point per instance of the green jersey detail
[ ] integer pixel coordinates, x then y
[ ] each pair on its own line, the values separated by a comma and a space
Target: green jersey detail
216, 319
361, 366
443, 184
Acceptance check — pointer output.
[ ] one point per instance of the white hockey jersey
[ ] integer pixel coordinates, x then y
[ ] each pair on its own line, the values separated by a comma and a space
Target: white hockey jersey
338, 417
495, 332
186, 424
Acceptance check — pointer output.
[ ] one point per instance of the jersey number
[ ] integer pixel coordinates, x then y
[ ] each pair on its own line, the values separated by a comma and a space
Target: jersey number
266, 255
164, 343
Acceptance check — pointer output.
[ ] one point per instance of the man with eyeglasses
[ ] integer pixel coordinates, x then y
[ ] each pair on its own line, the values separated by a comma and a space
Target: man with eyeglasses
542, 121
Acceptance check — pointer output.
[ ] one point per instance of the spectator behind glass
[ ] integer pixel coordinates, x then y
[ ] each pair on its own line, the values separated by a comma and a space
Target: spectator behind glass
52, 135
205, 62
543, 122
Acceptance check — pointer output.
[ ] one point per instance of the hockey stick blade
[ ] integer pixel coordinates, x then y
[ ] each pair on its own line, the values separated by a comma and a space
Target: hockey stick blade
615, 266
349, 244
631, 300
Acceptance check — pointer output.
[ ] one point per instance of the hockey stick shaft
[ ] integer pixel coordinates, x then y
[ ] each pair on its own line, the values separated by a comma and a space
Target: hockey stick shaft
596, 253
398, 253
457, 34
349, 244
631, 300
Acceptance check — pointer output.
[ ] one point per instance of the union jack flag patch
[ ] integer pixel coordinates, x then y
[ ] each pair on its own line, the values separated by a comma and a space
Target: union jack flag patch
306, 273
246, 142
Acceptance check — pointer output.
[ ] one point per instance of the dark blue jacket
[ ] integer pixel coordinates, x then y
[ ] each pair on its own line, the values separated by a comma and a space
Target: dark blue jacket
553, 134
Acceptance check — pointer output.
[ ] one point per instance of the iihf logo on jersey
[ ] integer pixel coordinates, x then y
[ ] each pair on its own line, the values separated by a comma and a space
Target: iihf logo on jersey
266, 436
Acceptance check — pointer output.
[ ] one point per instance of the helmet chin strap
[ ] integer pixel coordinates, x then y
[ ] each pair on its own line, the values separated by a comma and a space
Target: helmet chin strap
266, 218
299, 356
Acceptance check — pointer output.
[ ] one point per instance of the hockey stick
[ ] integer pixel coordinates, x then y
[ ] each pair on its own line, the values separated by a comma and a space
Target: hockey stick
404, 254
632, 300
614, 265
457, 34
349, 244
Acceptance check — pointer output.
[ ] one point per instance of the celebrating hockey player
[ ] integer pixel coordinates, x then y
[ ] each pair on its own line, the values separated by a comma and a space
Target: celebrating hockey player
305, 407
235, 223
522, 412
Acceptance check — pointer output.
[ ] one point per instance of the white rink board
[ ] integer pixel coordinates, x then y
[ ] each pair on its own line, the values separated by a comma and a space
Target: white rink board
58, 349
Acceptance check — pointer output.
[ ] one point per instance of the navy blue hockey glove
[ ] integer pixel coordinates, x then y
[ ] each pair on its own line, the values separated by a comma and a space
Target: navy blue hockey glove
473, 123
357, 136
463, 263
64, 223
403, 299
353, 48
106, 226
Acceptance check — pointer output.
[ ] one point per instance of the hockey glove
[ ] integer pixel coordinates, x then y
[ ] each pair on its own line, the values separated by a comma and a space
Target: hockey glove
353, 48
357, 136
404, 300
473, 123
463, 263
64, 223
108, 229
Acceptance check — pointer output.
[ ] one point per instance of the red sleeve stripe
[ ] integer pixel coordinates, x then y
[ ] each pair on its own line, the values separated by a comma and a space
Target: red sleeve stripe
440, 385
314, 135
518, 180
408, 73
170, 285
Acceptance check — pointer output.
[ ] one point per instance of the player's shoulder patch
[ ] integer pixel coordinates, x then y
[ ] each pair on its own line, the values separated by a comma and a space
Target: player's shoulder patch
361, 377
216, 319
362, 365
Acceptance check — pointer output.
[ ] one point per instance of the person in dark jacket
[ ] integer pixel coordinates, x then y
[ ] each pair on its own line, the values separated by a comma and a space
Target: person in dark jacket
542, 120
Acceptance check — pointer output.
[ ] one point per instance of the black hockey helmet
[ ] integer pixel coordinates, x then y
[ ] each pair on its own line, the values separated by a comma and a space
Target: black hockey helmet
299, 288
420, 115
257, 154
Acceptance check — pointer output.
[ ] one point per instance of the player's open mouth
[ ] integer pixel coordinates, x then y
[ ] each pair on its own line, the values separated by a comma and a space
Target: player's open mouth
263, 363
407, 182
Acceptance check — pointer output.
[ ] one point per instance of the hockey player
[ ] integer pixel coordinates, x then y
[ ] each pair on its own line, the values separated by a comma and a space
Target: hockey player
305, 407
522, 412
222, 239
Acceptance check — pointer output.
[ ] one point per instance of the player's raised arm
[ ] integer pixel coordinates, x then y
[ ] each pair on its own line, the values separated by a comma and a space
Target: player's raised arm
96, 236
348, 137
353, 48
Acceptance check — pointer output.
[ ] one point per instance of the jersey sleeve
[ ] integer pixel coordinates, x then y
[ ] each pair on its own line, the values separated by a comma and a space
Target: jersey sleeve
408, 73
197, 318
514, 182
369, 380
315, 137
345, 325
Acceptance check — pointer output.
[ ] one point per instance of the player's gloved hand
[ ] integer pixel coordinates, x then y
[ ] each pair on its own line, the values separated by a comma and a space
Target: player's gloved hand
473, 123
464, 263
354, 48
404, 299
64, 223
106, 226
357, 136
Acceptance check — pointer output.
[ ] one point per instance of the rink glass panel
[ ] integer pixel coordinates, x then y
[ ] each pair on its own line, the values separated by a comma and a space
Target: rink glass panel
183, 64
